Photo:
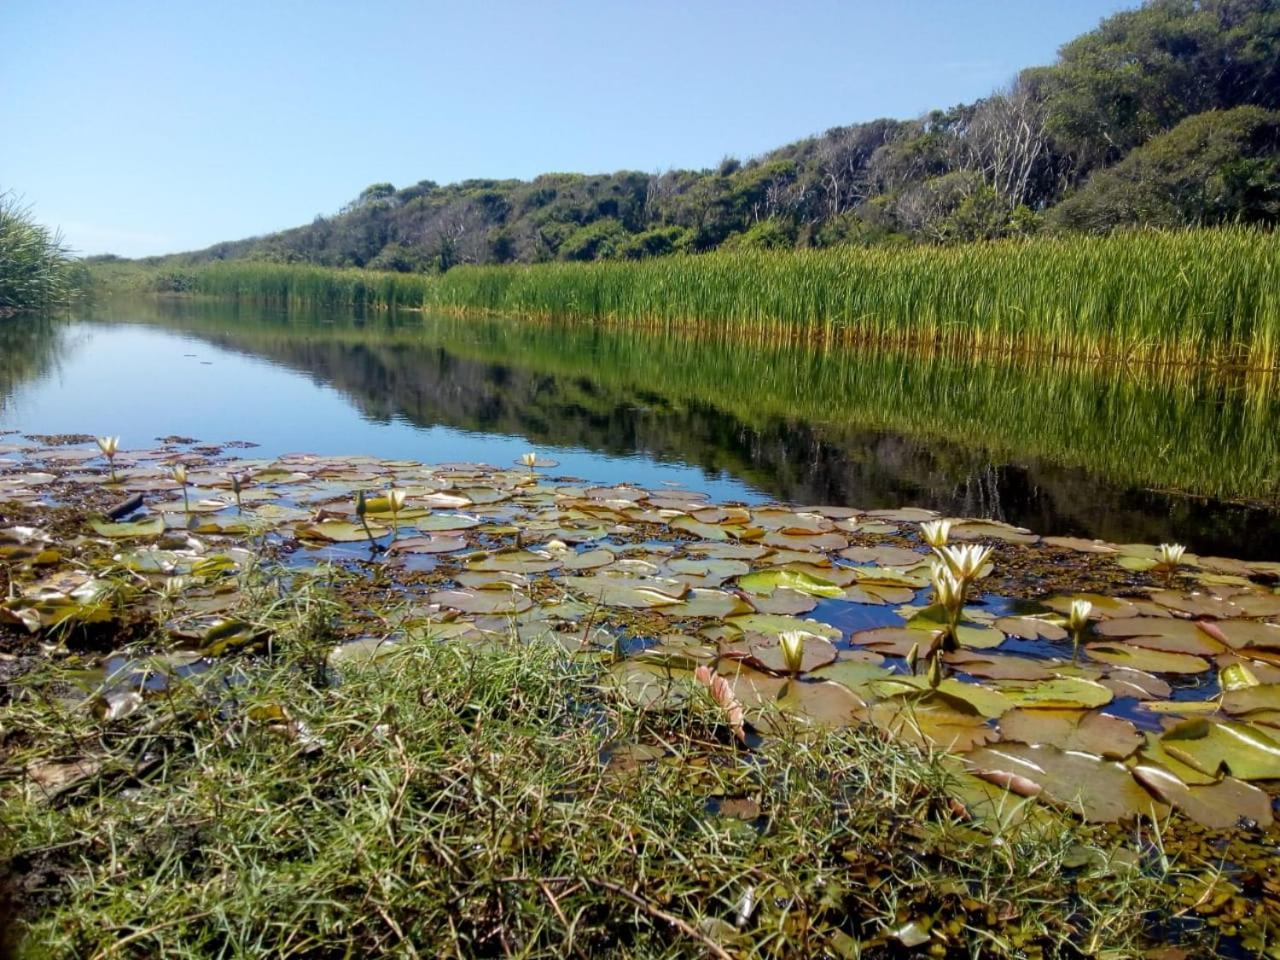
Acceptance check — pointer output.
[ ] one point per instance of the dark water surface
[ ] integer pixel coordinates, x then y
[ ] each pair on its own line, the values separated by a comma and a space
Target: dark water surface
1066, 448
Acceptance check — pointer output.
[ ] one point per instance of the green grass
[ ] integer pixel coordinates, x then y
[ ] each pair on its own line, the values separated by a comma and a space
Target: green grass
35, 268
1169, 297
455, 802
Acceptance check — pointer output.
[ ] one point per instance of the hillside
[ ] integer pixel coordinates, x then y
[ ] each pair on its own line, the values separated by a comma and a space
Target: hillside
1165, 115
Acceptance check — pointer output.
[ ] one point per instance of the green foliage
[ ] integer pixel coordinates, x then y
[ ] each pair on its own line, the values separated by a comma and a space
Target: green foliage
1214, 167
600, 240
35, 268
763, 235
1142, 71
1175, 296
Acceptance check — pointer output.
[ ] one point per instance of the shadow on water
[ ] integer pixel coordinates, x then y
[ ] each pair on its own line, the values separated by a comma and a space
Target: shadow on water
1064, 448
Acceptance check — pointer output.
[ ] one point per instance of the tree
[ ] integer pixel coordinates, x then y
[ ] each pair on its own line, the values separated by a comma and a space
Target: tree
1215, 167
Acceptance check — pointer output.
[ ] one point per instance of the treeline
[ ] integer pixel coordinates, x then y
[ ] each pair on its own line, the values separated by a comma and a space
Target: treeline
1163, 116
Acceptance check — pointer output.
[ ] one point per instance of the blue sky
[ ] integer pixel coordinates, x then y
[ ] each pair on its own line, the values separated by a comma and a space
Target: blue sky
144, 127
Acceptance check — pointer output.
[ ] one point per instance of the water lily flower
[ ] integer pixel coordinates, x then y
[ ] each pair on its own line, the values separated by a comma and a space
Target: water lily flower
722, 693
913, 657
948, 589
395, 500
966, 562
530, 460
238, 481
936, 532
179, 473
1078, 618
935, 669
1169, 555
109, 446
792, 642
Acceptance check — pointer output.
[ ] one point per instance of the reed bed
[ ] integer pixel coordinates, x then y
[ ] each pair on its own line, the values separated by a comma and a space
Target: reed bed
35, 268
1161, 297
281, 283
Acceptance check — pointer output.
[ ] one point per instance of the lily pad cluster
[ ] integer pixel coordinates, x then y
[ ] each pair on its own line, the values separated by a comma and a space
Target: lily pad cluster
811, 615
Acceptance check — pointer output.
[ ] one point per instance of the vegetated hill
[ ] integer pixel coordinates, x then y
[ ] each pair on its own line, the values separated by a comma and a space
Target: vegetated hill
1162, 115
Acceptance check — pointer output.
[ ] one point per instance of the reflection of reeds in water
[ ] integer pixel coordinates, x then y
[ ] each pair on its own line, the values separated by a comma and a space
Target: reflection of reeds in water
1149, 296
1194, 429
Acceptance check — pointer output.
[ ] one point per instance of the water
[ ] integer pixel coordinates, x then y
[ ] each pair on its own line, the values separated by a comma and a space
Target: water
1125, 455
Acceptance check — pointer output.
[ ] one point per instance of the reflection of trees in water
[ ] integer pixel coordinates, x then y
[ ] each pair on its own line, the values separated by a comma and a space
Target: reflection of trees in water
29, 347
623, 394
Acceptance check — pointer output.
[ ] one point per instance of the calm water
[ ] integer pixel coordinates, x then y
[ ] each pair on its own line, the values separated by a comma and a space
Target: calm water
1120, 454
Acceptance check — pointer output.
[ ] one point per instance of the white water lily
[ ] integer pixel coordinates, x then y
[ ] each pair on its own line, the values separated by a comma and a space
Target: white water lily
965, 562
1169, 555
948, 589
936, 532
109, 447
179, 473
530, 460
792, 642
1078, 618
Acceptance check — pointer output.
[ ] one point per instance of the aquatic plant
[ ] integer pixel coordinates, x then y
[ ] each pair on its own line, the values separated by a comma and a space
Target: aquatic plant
362, 508
238, 482
109, 446
722, 695
530, 460
35, 267
178, 473
395, 503
1077, 623
1161, 296
1169, 556
935, 532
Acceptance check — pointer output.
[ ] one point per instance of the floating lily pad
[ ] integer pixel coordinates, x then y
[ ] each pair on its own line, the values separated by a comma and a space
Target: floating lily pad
1236, 748
341, 531
633, 592
482, 601
932, 723
1098, 733
1096, 789
1060, 692
1218, 806
1140, 658
149, 527
765, 650
766, 581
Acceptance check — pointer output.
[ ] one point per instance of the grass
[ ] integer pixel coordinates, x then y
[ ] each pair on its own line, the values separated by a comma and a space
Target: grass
35, 268
455, 802
1165, 297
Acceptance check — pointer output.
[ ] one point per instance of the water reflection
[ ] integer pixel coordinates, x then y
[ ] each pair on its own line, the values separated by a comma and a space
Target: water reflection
1074, 449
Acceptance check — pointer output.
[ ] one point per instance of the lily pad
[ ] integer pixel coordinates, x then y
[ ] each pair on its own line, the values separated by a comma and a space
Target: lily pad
1236, 748
1100, 791
149, 527
1218, 806
1140, 658
1091, 732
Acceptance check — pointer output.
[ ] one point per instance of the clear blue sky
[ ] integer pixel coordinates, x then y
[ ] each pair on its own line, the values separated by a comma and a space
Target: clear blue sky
149, 126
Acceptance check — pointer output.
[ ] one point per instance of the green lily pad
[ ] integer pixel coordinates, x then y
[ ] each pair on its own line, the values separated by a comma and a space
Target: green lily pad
932, 723
495, 602
631, 592
1100, 791
1218, 806
1140, 658
766, 581
340, 531
150, 527
1239, 749
765, 650
1060, 692
1091, 732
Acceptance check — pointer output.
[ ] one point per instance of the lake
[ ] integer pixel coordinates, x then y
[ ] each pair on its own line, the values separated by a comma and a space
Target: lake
1086, 449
